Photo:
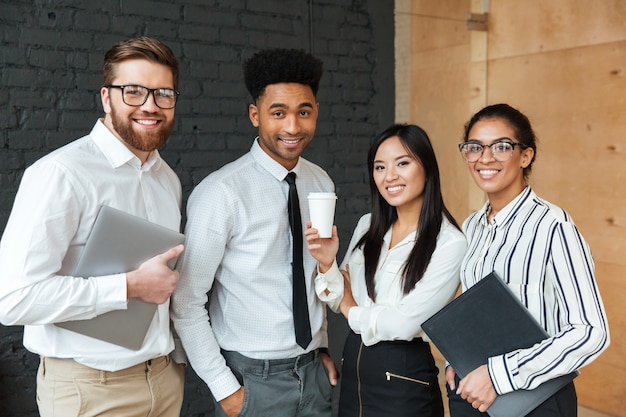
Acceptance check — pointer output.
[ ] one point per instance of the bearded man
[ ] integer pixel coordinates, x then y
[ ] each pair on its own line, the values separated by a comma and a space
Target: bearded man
116, 164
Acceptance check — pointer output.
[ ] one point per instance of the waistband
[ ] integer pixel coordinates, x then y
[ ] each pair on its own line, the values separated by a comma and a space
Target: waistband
69, 367
415, 342
268, 366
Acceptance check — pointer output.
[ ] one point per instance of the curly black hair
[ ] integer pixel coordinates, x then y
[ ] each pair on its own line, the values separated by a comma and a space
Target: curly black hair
273, 66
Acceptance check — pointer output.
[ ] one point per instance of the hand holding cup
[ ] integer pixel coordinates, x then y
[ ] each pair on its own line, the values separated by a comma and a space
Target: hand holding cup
322, 209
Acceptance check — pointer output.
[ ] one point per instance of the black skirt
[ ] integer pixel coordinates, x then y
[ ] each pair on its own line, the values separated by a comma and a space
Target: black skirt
396, 379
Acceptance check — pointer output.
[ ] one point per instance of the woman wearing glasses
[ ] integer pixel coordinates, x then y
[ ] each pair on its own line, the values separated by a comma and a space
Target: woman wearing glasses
401, 267
537, 250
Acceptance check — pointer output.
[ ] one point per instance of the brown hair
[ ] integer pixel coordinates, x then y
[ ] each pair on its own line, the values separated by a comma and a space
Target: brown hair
146, 48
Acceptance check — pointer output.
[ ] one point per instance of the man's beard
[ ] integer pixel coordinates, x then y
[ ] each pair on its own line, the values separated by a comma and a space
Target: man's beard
146, 141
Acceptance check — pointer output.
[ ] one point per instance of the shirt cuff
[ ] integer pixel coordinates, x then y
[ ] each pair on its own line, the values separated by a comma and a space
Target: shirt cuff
501, 371
329, 285
112, 293
224, 385
362, 320
354, 319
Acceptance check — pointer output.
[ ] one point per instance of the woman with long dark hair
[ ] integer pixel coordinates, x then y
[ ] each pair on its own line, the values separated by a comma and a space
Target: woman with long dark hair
402, 266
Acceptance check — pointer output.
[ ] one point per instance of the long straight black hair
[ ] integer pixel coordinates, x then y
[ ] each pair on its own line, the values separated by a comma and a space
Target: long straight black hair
418, 145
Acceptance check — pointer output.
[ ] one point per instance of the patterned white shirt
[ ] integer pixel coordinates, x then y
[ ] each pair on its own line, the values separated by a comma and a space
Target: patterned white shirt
537, 250
238, 246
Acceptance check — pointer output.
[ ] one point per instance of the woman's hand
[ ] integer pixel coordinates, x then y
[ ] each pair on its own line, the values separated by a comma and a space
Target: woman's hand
323, 250
477, 389
450, 375
347, 302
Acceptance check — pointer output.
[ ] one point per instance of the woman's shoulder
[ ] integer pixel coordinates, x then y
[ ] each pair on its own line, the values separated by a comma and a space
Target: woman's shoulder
450, 232
364, 222
362, 226
552, 211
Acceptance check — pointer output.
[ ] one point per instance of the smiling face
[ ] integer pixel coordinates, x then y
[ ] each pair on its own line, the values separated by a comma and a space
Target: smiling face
286, 117
501, 181
399, 176
145, 128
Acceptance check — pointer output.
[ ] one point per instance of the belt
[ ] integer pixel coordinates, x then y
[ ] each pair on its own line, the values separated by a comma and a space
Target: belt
268, 366
70, 367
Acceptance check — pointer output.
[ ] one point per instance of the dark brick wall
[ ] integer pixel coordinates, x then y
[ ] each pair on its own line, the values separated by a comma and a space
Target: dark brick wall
50, 72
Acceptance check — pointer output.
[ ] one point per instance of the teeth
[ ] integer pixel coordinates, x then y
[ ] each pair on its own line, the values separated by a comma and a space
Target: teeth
290, 142
147, 122
488, 171
394, 189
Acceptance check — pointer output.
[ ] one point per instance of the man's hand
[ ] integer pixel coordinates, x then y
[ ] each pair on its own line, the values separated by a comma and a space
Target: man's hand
331, 367
154, 281
233, 404
324, 250
477, 389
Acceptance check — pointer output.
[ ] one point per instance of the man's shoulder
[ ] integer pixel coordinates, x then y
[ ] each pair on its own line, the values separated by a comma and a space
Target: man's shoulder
240, 167
313, 170
234, 172
305, 163
70, 156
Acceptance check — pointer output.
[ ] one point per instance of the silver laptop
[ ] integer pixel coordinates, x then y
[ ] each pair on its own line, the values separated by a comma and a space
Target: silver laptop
120, 242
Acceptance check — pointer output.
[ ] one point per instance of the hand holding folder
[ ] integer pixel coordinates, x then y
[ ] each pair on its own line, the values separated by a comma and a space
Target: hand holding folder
484, 321
154, 281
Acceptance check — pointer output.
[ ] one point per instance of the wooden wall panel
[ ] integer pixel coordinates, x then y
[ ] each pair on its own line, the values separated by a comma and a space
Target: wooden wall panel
578, 117
563, 63
440, 51
600, 384
436, 34
536, 26
441, 9
569, 78
603, 223
479, 48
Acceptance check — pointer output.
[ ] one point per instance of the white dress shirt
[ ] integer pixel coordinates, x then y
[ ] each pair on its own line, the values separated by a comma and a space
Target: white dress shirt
537, 250
238, 246
53, 213
395, 315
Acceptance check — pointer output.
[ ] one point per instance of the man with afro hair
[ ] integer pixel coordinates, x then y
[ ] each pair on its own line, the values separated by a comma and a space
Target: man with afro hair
239, 250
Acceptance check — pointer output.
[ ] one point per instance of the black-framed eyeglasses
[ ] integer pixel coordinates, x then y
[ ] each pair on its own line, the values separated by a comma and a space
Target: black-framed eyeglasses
501, 150
137, 95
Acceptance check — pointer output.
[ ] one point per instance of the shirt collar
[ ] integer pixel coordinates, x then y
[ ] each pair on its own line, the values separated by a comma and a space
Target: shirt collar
411, 237
508, 211
117, 153
270, 165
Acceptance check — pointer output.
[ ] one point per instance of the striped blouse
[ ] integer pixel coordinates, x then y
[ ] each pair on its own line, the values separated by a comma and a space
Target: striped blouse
537, 250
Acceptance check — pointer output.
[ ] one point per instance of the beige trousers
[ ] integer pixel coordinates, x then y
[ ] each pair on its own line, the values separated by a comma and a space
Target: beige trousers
152, 388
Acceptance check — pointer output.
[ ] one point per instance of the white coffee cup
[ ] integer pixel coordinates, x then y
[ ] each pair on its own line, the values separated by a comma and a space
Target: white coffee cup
322, 210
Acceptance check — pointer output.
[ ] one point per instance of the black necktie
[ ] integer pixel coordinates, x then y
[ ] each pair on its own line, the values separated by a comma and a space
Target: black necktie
300, 304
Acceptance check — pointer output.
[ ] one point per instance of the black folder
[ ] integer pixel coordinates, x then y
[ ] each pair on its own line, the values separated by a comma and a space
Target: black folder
484, 321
